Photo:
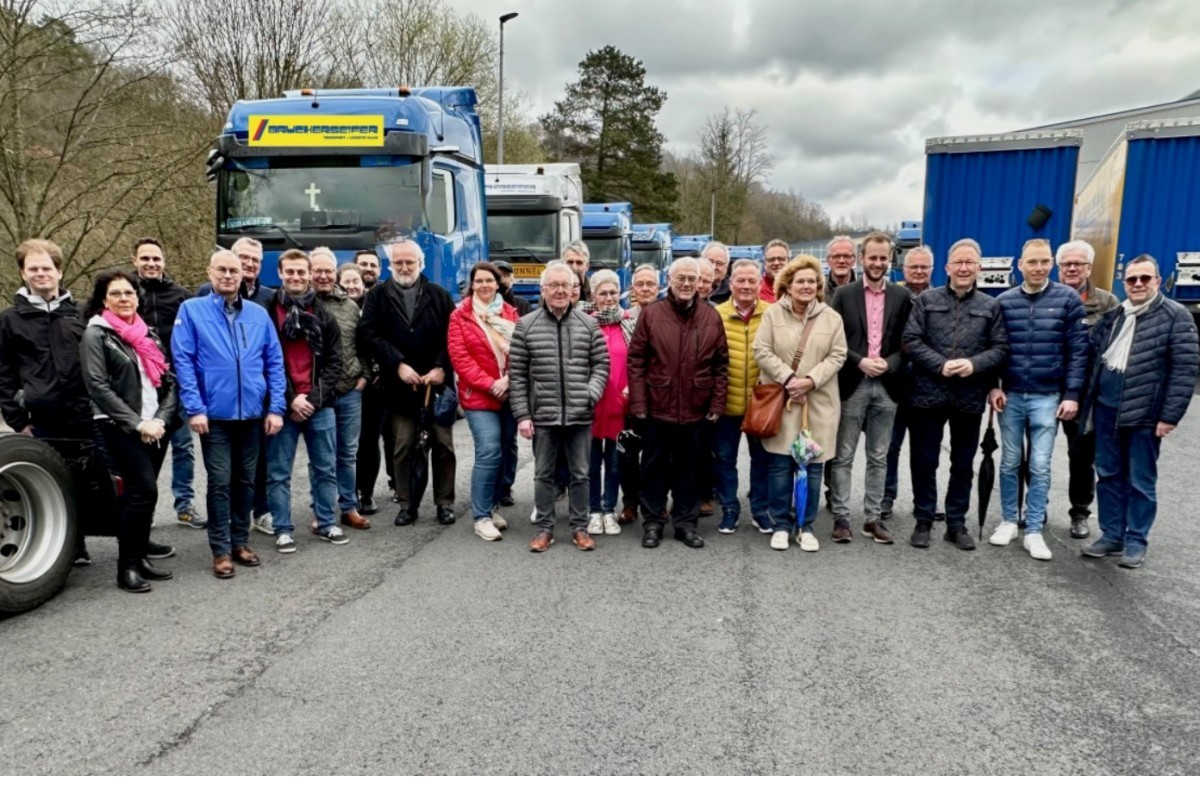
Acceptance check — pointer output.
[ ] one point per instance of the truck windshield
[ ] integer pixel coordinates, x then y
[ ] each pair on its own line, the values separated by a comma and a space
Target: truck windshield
523, 235
321, 193
607, 251
652, 255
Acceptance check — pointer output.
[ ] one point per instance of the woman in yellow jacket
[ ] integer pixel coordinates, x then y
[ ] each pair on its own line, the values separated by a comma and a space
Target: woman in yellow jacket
799, 287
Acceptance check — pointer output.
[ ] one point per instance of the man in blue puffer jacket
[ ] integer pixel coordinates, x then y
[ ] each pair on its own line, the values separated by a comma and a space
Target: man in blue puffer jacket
1040, 385
230, 369
1145, 358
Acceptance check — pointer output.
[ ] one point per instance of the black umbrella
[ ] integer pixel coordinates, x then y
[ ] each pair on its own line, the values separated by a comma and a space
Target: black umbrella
1023, 475
419, 464
987, 469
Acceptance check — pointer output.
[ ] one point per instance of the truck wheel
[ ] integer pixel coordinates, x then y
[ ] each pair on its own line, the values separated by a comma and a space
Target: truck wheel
37, 523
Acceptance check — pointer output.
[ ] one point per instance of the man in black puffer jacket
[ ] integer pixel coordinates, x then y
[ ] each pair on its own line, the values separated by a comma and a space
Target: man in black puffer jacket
558, 368
956, 340
1145, 358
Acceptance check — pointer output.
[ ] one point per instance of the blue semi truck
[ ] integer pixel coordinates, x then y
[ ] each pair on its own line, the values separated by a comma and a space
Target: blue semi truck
608, 233
355, 169
689, 244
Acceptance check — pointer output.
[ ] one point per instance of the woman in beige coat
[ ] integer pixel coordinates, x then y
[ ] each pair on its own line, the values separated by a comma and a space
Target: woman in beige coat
800, 287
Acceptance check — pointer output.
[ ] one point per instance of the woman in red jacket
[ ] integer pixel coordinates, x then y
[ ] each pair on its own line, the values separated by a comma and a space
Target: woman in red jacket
617, 327
481, 330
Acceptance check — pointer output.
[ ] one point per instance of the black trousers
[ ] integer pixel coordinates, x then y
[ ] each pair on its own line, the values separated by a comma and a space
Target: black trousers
925, 443
138, 465
374, 425
629, 468
706, 462
670, 463
1081, 452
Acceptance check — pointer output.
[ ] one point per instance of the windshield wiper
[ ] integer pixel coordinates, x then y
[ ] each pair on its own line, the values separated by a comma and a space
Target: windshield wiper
337, 226
519, 251
269, 226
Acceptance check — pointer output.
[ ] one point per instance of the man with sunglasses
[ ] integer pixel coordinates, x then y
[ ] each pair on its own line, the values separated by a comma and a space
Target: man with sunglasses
1075, 270
1145, 358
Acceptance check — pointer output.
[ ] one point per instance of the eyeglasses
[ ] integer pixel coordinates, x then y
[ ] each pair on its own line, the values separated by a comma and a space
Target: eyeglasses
1134, 280
250, 259
686, 279
226, 270
405, 262
121, 293
776, 259
558, 286
608, 293
918, 266
1074, 264
841, 257
971, 264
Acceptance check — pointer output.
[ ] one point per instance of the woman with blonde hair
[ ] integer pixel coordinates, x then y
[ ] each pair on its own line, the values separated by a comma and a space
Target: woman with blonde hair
800, 345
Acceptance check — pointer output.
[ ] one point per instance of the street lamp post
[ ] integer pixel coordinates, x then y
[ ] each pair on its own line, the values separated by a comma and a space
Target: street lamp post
500, 123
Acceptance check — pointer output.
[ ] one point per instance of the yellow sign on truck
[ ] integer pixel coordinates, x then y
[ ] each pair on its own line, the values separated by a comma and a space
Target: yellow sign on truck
271, 130
1098, 213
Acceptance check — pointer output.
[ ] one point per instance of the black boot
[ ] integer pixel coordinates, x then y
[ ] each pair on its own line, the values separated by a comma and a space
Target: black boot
151, 572
129, 579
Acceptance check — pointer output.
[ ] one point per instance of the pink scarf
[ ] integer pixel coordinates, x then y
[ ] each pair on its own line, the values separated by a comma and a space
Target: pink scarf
135, 334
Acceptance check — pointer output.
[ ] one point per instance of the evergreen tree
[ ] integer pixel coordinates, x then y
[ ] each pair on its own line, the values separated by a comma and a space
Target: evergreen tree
606, 123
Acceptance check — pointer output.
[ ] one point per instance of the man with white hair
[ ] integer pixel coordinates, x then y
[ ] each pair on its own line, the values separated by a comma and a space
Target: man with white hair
249, 254
558, 369
718, 255
1075, 270
578, 257
403, 328
678, 378
841, 256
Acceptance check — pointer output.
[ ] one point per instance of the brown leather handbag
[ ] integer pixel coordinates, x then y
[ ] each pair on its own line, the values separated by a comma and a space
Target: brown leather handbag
764, 413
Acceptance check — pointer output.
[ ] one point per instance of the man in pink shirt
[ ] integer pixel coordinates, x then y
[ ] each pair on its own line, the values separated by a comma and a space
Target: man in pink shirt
874, 314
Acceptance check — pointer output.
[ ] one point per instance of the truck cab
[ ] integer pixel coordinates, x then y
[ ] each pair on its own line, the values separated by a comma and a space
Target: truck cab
608, 233
533, 212
690, 244
753, 252
907, 237
355, 169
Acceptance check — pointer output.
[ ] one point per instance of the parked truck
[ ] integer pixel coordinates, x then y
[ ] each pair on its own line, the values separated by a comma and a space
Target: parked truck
754, 252
533, 212
355, 169
1145, 198
908, 236
1001, 191
689, 244
652, 244
608, 232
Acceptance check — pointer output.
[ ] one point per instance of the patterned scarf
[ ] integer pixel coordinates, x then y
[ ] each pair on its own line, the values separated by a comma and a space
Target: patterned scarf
136, 334
616, 316
499, 330
300, 323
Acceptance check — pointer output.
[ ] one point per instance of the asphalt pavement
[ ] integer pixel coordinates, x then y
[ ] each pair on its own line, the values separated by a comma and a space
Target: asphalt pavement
427, 650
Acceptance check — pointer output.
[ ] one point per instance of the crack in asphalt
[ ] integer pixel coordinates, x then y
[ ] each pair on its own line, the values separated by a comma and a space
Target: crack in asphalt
272, 648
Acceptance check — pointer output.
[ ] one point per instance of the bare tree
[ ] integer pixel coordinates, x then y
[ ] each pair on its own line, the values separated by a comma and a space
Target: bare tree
93, 136
734, 157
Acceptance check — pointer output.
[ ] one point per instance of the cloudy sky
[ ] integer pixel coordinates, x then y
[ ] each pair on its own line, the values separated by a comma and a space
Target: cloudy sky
849, 90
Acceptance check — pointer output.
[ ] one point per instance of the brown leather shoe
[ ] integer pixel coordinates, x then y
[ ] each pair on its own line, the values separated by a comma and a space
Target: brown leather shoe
628, 515
245, 556
877, 531
841, 531
583, 540
541, 541
223, 566
706, 508
356, 520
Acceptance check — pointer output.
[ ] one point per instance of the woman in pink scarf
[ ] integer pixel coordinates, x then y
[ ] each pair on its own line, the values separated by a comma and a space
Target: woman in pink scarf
134, 400
609, 420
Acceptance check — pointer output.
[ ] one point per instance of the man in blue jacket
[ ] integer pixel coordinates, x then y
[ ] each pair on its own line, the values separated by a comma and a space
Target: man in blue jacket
1145, 358
1039, 386
230, 369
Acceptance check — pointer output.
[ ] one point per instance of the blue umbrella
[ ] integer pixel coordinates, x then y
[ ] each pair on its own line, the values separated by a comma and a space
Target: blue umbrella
804, 450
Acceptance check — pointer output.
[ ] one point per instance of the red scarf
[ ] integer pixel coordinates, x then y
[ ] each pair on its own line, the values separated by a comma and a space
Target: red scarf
136, 335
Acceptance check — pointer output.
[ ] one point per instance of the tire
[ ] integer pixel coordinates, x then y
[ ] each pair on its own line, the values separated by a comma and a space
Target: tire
37, 523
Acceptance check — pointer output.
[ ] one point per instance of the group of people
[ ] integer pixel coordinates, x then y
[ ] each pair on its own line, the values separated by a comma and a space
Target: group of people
648, 403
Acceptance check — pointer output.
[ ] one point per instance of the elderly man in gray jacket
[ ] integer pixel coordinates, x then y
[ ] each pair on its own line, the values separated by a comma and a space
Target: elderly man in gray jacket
558, 368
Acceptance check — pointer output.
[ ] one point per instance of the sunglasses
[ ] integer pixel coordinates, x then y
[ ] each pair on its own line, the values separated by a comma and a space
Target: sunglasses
1134, 280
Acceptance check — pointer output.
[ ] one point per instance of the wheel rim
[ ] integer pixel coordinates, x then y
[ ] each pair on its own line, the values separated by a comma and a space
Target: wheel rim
33, 522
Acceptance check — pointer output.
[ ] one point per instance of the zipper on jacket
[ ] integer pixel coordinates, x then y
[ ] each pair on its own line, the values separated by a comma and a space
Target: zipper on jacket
237, 355
562, 374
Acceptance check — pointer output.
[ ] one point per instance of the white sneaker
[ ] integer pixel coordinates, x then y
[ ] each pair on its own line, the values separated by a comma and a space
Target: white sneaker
1035, 543
809, 543
486, 529
779, 540
595, 524
264, 524
284, 543
611, 526
533, 515
500, 522
1005, 533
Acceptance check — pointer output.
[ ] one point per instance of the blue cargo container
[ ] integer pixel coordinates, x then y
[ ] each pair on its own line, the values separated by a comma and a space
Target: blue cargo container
1145, 198
1000, 191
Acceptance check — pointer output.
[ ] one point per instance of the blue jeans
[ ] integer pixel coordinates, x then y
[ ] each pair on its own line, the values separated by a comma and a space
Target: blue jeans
1126, 480
230, 450
183, 468
728, 439
490, 431
348, 411
1038, 412
780, 483
604, 456
320, 439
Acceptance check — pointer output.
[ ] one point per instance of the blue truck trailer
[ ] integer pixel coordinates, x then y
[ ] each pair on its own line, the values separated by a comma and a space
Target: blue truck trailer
687, 244
1145, 198
1000, 191
608, 233
355, 169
